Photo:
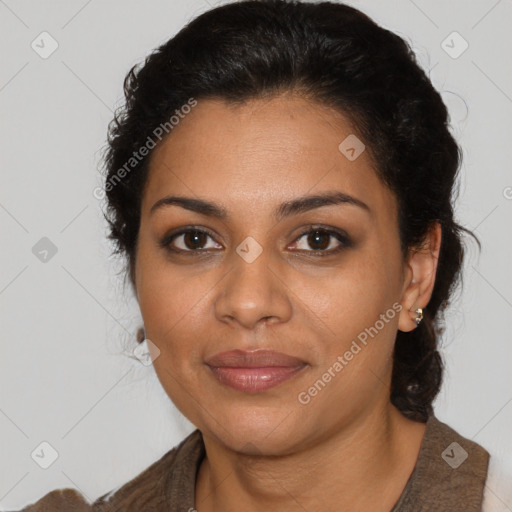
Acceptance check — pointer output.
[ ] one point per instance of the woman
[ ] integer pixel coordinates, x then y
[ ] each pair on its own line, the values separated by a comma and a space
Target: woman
280, 182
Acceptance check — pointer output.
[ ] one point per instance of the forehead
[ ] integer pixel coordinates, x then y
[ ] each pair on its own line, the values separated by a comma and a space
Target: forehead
262, 152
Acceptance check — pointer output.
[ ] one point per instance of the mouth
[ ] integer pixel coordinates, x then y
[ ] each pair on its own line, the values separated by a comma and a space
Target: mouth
253, 372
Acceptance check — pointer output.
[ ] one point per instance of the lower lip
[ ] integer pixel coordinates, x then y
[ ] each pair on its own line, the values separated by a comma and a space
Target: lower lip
254, 380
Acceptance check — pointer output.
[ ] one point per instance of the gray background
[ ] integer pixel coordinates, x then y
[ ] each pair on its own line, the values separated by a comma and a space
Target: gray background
65, 322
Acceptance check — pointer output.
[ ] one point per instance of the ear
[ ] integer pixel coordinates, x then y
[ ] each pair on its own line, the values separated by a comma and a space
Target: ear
419, 277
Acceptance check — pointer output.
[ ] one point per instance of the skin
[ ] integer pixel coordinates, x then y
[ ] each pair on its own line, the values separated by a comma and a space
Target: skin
268, 451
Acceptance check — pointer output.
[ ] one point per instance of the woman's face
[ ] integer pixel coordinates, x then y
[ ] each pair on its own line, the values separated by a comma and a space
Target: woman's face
253, 280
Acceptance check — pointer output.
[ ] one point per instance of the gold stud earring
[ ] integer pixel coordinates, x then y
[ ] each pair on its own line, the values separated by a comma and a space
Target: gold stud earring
419, 316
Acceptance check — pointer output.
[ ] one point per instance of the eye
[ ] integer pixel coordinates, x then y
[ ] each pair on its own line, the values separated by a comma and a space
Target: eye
323, 241
188, 240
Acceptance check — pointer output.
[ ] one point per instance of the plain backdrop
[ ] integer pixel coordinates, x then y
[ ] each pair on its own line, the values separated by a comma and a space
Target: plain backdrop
65, 321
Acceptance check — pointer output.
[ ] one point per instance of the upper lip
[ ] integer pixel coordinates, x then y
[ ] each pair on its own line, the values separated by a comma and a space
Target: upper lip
253, 359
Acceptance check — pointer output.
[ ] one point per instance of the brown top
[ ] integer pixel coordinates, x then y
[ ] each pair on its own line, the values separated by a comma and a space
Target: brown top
449, 476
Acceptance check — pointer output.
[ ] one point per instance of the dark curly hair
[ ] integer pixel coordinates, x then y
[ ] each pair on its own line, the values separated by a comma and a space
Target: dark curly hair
335, 55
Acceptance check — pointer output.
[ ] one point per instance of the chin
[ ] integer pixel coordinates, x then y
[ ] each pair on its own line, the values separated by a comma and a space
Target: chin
254, 430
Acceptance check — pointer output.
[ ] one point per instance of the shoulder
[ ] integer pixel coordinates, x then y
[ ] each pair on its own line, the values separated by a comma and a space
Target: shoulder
450, 473
147, 491
155, 488
457, 451
460, 464
60, 500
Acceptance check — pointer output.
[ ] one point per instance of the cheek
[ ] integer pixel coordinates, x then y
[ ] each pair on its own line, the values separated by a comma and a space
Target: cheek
359, 304
166, 301
173, 309
173, 306
350, 297
355, 360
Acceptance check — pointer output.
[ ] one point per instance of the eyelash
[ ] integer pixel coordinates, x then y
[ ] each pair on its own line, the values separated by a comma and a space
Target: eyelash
341, 236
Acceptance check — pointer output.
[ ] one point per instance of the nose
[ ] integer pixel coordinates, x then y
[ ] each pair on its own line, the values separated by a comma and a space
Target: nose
252, 293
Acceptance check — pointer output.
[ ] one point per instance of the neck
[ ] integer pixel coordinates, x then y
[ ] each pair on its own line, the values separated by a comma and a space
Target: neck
364, 467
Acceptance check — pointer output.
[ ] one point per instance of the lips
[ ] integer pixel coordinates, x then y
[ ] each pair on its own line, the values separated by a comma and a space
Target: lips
253, 372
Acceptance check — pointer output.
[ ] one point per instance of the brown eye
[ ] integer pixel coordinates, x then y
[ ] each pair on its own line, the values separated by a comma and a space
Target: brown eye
322, 240
189, 240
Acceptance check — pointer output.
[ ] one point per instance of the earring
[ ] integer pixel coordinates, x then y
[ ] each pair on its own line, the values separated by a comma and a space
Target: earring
141, 334
419, 316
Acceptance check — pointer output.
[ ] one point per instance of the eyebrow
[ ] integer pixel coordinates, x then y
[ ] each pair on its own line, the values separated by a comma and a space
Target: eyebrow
286, 209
